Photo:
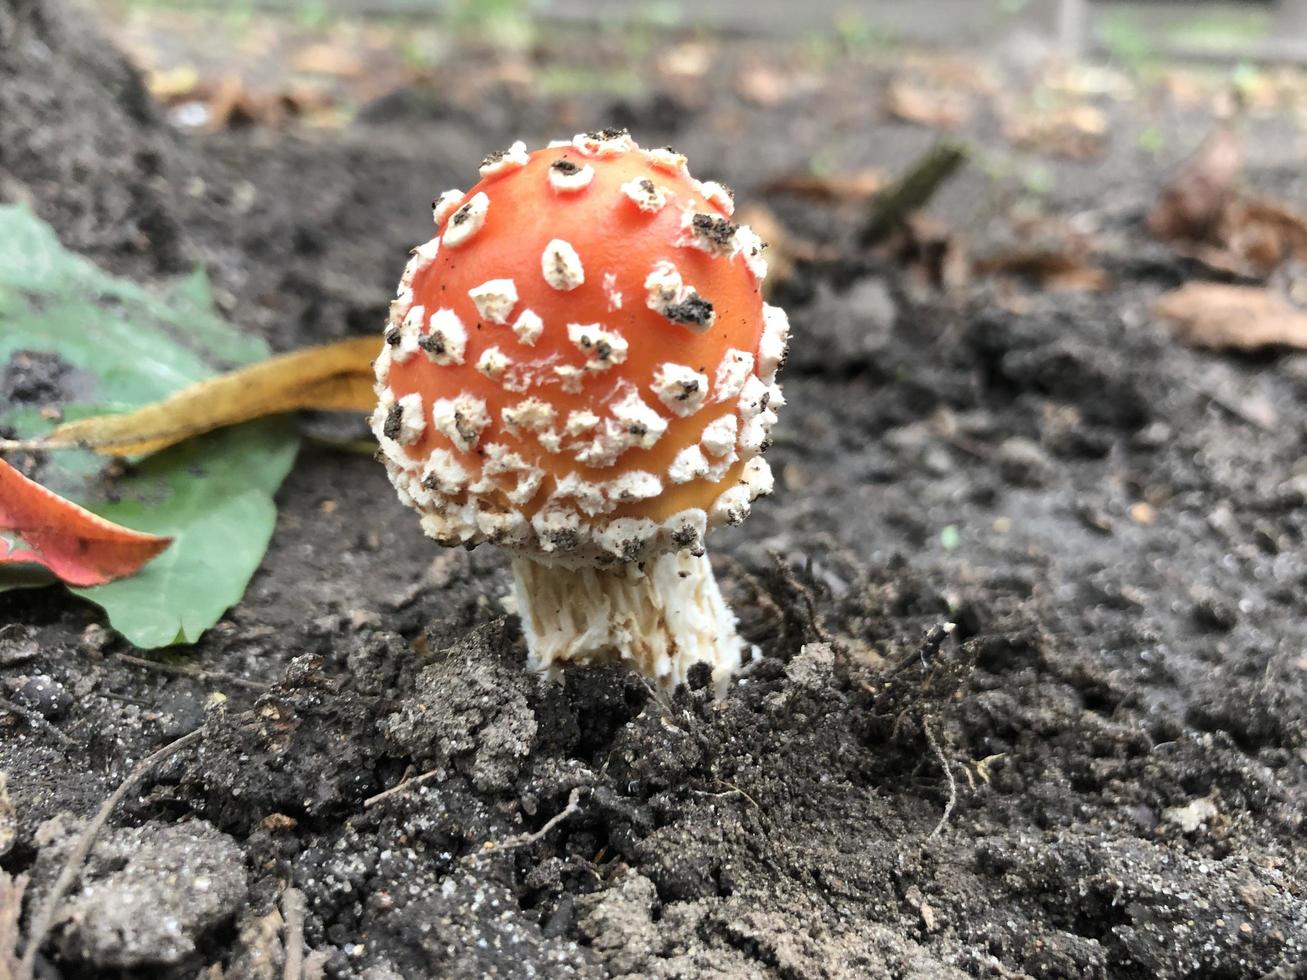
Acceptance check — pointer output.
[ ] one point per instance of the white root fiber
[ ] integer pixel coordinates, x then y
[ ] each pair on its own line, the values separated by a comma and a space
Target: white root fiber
659, 618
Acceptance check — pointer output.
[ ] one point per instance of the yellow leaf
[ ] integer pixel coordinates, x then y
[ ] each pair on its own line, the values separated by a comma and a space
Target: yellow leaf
334, 376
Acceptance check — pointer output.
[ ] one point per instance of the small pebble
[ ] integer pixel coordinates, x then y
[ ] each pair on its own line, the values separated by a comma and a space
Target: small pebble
42, 693
17, 649
1023, 463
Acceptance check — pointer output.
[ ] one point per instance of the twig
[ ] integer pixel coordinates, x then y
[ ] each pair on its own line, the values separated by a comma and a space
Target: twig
44, 916
35, 445
741, 792
292, 907
931, 643
911, 192
969, 446
732, 790
948, 774
402, 786
124, 699
1225, 404
813, 617
523, 840
36, 720
660, 698
315, 965
11, 914
197, 673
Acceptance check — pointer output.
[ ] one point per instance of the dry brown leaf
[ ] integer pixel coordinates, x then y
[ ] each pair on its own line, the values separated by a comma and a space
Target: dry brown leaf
935, 108
763, 85
1075, 131
232, 104
1207, 219
691, 59
1058, 270
329, 59
335, 376
856, 185
934, 254
1279, 230
1193, 204
1184, 88
1241, 317
783, 247
303, 99
956, 70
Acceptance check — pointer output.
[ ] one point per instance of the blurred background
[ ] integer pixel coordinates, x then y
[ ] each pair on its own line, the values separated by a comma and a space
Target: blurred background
1088, 104
1046, 264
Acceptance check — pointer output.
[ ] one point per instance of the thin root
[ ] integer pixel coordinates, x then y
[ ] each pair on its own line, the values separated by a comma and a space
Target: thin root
524, 840
403, 786
198, 673
292, 908
44, 916
948, 774
37, 721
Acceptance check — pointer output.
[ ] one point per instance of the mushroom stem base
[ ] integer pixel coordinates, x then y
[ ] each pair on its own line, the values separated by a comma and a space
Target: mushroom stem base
660, 617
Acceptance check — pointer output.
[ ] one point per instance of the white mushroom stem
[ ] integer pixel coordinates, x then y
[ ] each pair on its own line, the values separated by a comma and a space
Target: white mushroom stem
659, 617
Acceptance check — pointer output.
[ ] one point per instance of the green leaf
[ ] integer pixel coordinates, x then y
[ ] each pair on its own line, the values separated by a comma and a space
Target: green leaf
126, 346
214, 495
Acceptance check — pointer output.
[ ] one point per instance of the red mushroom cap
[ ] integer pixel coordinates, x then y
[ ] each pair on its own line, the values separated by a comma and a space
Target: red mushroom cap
581, 362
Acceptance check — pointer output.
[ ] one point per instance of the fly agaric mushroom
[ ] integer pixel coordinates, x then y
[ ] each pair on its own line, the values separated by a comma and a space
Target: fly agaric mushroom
580, 368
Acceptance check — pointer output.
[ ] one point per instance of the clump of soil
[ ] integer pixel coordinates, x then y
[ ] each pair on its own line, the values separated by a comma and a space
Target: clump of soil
80, 140
1096, 771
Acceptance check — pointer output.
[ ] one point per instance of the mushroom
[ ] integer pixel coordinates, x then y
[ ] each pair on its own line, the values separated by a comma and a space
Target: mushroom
579, 367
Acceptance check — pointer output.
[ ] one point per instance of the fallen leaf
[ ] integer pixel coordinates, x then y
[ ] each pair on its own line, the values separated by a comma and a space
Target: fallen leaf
1206, 218
328, 59
763, 85
304, 99
934, 108
934, 254
1239, 317
1266, 232
108, 345
233, 104
1193, 204
690, 59
857, 185
214, 495
333, 376
784, 248
79, 547
1082, 80
1076, 132
1058, 270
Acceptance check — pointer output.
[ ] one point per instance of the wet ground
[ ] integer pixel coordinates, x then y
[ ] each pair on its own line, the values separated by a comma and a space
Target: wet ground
1099, 771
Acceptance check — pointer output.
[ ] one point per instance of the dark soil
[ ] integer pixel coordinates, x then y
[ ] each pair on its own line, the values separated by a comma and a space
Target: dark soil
1098, 772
